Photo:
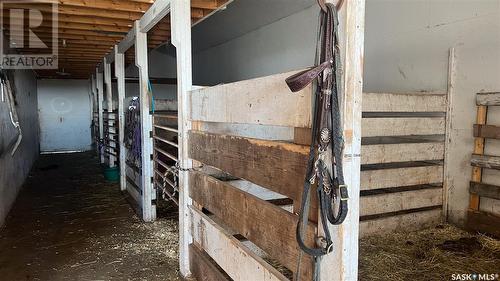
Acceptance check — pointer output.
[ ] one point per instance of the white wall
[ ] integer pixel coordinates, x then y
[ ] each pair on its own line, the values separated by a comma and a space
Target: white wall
477, 70
15, 169
407, 42
286, 44
65, 117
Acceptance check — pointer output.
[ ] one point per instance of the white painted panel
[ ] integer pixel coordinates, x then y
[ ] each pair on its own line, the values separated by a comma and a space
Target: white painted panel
64, 109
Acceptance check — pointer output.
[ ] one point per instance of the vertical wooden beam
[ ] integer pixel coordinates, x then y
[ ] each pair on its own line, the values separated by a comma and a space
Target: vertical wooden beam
96, 109
100, 99
342, 263
181, 38
120, 76
477, 172
109, 101
141, 61
447, 142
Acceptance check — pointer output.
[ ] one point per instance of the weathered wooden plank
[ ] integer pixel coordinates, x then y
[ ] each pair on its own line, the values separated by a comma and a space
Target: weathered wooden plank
483, 222
488, 98
377, 127
203, 267
404, 102
486, 161
248, 102
486, 131
490, 206
385, 178
269, 227
230, 254
477, 172
387, 153
277, 166
485, 190
394, 202
404, 222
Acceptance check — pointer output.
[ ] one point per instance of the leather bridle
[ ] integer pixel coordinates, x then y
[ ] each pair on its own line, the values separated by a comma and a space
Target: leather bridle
324, 168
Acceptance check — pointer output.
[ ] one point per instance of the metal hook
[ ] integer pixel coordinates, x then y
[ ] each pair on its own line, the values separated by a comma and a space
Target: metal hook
322, 4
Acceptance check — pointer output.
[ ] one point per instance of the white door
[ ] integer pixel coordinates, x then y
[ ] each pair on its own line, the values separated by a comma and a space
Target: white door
64, 110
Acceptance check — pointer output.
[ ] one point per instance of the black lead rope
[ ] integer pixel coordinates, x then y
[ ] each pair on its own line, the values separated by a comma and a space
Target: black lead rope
324, 167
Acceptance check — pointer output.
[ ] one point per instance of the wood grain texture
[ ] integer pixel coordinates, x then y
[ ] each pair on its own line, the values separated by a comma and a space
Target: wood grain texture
203, 267
486, 131
377, 127
485, 190
249, 102
277, 166
398, 201
483, 222
477, 171
388, 153
404, 102
385, 178
405, 222
488, 98
486, 161
231, 255
269, 227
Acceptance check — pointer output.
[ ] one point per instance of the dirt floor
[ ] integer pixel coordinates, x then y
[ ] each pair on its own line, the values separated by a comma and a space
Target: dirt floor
431, 254
69, 224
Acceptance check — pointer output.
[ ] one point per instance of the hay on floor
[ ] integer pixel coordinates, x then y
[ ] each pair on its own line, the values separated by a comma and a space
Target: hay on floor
431, 254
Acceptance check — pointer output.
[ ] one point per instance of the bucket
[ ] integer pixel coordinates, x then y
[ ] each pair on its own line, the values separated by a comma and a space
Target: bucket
112, 174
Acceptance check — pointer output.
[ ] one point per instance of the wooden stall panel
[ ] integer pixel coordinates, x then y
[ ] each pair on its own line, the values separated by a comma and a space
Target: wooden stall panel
404, 102
203, 267
277, 166
250, 101
486, 99
387, 178
379, 127
486, 131
403, 222
401, 152
230, 254
486, 161
398, 201
485, 190
268, 226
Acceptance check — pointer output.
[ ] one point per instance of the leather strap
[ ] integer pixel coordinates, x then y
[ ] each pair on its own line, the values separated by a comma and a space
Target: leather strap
324, 169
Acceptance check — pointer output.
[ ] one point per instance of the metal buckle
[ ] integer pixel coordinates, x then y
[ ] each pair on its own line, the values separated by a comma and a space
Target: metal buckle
342, 198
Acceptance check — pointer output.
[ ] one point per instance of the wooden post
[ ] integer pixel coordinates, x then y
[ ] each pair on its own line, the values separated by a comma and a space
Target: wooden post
447, 141
109, 101
141, 61
100, 99
342, 263
120, 76
181, 38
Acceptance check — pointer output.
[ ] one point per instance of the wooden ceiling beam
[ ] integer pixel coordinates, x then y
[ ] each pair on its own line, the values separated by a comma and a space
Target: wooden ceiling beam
79, 11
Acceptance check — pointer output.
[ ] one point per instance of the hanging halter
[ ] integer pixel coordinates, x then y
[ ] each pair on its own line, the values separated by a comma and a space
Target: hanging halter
324, 168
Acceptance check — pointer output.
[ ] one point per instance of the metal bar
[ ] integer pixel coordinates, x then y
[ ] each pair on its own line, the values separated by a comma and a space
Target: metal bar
166, 128
166, 141
167, 116
166, 154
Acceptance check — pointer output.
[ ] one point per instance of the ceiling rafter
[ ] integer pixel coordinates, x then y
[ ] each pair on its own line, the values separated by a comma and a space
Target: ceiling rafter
89, 29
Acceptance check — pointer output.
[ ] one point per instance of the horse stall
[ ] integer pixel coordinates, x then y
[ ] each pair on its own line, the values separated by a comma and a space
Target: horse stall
226, 160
